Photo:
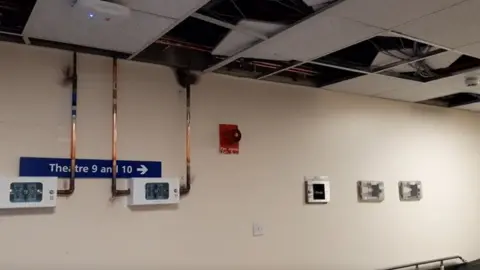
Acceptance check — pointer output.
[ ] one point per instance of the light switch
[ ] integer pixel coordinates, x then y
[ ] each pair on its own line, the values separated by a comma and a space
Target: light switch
257, 229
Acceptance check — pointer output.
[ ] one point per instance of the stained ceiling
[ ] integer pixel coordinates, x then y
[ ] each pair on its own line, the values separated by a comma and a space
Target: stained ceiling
410, 50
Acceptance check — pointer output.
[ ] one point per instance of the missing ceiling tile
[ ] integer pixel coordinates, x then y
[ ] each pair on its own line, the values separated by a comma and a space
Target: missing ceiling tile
453, 100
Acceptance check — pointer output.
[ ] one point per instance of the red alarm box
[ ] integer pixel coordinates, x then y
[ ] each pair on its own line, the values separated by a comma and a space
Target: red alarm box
230, 137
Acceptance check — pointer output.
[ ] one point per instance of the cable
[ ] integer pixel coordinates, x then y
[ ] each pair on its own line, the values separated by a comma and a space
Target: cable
239, 10
421, 67
288, 6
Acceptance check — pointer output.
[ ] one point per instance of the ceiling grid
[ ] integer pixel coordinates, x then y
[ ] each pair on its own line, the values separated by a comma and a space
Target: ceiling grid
396, 49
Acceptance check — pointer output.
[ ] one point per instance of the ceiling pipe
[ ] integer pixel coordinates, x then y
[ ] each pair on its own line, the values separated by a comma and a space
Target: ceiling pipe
115, 192
73, 78
191, 46
253, 45
185, 79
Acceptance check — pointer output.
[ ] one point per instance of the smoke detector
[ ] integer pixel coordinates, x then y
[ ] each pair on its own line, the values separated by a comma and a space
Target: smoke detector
472, 81
100, 10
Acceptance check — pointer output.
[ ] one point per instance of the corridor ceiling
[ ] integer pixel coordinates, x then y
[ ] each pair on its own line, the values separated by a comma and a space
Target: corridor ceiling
410, 50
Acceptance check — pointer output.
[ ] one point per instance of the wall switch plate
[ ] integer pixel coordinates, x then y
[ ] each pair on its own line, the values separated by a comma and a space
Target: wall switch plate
257, 229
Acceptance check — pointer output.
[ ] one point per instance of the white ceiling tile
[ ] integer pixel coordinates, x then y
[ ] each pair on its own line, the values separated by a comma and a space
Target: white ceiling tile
314, 37
419, 93
233, 42
167, 8
442, 60
458, 82
57, 20
453, 27
472, 49
470, 107
236, 40
316, 4
371, 85
388, 13
438, 61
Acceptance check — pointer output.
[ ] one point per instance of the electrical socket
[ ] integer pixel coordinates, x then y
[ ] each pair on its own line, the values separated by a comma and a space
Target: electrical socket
257, 229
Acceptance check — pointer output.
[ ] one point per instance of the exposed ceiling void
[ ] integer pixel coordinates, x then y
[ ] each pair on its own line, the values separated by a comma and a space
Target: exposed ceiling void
312, 75
237, 40
197, 40
77, 48
255, 68
275, 11
453, 100
198, 32
175, 54
14, 15
427, 73
379, 53
15, 38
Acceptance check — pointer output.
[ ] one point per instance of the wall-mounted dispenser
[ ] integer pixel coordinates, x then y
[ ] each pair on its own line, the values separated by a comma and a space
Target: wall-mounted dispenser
151, 191
28, 192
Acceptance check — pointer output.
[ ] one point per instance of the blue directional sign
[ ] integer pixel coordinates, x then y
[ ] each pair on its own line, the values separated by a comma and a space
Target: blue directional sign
88, 168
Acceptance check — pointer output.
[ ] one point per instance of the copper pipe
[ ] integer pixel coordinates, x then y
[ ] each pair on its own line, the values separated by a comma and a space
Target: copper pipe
272, 65
73, 133
191, 46
184, 190
176, 44
187, 43
115, 191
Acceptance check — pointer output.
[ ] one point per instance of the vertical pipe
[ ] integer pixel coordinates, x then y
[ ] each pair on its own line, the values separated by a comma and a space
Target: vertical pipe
73, 132
184, 190
115, 191
114, 129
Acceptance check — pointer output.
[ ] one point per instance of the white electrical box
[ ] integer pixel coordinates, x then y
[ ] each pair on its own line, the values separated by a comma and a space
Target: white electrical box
150, 191
410, 190
370, 191
317, 190
28, 192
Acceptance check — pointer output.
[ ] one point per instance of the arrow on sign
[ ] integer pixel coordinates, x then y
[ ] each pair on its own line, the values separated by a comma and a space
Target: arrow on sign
143, 169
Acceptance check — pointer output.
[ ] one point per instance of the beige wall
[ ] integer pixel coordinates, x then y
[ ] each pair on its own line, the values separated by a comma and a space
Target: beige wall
289, 132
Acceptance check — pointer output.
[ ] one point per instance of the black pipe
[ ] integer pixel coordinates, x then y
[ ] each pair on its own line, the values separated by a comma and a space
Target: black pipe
73, 134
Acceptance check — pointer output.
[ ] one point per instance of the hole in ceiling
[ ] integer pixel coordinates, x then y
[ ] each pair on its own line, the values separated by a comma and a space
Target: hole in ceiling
292, 78
198, 33
377, 52
453, 100
425, 71
11, 38
402, 58
178, 56
275, 11
202, 33
14, 15
313, 75
255, 68
198, 44
77, 48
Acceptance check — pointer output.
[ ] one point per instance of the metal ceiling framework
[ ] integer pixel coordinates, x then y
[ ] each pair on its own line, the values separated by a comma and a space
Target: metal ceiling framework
188, 39
439, 49
294, 64
242, 52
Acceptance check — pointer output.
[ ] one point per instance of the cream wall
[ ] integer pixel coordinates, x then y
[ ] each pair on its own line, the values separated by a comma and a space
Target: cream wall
288, 132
